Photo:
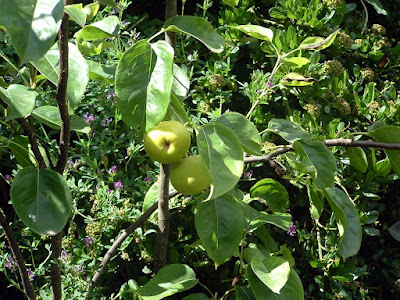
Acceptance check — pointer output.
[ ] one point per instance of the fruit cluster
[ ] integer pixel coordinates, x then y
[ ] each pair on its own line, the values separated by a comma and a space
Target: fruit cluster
169, 142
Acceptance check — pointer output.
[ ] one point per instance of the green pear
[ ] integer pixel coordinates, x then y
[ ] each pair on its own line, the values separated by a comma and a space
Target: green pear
168, 142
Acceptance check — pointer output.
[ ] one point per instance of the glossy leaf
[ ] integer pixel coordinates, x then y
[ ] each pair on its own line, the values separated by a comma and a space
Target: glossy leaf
296, 62
281, 220
378, 6
198, 28
318, 43
20, 101
232, 3
295, 79
244, 293
272, 192
389, 134
76, 13
272, 271
94, 47
19, 146
394, 231
78, 74
348, 221
316, 203
219, 223
196, 296
170, 280
256, 31
32, 25
181, 83
50, 116
110, 3
91, 11
223, 155
290, 131
323, 160
244, 129
101, 72
358, 158
108, 27
292, 290
42, 199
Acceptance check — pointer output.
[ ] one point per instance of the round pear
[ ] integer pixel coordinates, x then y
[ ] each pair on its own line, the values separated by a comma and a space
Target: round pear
168, 142
190, 176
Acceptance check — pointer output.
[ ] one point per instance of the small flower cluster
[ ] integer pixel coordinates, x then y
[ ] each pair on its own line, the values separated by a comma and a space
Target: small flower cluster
333, 3
313, 110
248, 175
113, 170
94, 229
374, 107
118, 185
343, 40
333, 68
377, 29
217, 81
292, 229
367, 73
343, 106
10, 263
106, 121
89, 118
88, 242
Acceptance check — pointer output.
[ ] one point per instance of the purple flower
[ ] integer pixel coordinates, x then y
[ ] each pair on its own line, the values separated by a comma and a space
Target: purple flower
108, 191
30, 274
7, 177
111, 94
105, 122
72, 164
292, 229
118, 185
89, 118
89, 242
113, 170
78, 270
65, 256
248, 174
10, 263
148, 179
269, 83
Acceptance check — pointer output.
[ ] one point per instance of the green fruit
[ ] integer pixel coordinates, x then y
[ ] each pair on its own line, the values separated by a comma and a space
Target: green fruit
168, 142
190, 176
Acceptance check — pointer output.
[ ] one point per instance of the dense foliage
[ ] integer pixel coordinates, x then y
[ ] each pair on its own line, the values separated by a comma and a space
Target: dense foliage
292, 105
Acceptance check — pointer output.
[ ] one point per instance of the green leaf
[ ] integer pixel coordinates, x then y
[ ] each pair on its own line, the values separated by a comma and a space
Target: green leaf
78, 74
101, 72
272, 192
32, 25
394, 231
19, 146
280, 220
50, 116
292, 290
76, 13
198, 28
20, 100
110, 3
322, 159
108, 27
244, 129
383, 167
290, 131
272, 271
232, 3
91, 11
143, 84
316, 203
160, 85
318, 43
389, 134
348, 221
196, 296
170, 280
181, 83
295, 79
256, 31
219, 223
93, 48
378, 6
296, 62
223, 155
358, 158
42, 199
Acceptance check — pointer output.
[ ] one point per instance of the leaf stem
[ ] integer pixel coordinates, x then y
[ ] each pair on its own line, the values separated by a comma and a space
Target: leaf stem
14, 67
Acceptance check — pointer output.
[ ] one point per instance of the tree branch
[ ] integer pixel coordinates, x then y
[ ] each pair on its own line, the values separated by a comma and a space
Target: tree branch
55, 271
26, 283
171, 10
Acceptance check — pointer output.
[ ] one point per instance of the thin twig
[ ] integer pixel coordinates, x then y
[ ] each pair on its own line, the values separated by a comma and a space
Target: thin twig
26, 283
366, 16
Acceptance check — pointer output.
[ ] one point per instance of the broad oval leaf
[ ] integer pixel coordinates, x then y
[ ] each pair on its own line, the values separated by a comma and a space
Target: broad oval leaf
42, 199
389, 134
296, 62
78, 74
223, 155
316, 203
198, 28
292, 290
272, 192
318, 43
273, 271
110, 3
358, 158
219, 223
257, 31
245, 130
32, 25
196, 296
290, 131
348, 221
108, 27
91, 11
322, 159
76, 13
170, 280
181, 83
101, 72
50, 116
281, 220
19, 146
232, 3
20, 101
295, 79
